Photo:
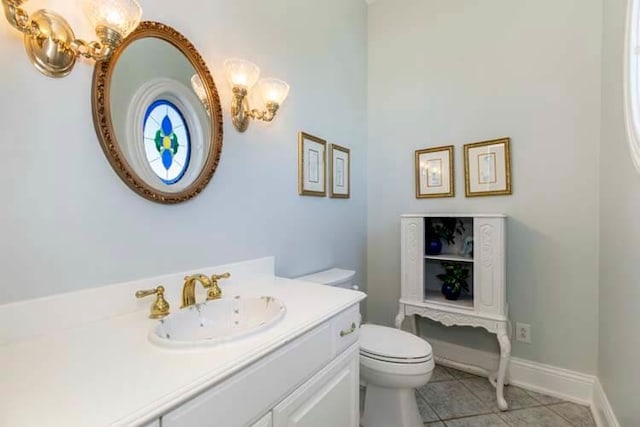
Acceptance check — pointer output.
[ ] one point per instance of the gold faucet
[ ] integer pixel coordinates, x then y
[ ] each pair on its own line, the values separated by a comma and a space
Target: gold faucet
189, 288
160, 307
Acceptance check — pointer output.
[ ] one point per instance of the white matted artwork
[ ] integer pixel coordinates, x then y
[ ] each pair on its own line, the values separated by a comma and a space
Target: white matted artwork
311, 165
435, 173
487, 167
340, 172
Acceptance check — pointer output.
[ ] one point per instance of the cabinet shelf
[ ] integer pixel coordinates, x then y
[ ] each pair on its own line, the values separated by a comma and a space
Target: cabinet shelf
449, 257
465, 301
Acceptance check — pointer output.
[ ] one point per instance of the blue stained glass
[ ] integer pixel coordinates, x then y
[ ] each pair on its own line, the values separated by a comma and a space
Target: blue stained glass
167, 159
167, 141
167, 127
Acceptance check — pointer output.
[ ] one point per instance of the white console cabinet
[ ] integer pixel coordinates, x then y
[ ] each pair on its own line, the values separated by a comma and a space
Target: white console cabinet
485, 305
310, 382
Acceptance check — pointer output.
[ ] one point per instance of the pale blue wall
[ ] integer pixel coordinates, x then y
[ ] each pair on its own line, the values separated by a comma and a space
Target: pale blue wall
69, 222
445, 72
619, 367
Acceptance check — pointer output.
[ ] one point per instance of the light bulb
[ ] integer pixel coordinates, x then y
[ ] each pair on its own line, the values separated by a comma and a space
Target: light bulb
241, 73
273, 90
121, 16
198, 88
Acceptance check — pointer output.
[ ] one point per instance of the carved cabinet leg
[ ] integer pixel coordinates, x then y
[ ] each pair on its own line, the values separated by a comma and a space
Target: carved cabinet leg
413, 327
505, 355
400, 317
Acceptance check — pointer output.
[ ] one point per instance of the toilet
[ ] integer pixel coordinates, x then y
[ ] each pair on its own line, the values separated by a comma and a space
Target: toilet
393, 363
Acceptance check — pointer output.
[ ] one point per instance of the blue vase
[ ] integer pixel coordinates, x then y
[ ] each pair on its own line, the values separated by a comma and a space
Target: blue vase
450, 291
434, 247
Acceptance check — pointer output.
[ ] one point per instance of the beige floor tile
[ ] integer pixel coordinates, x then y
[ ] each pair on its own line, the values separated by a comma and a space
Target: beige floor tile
460, 375
516, 397
490, 420
530, 417
577, 415
451, 399
427, 414
544, 399
440, 373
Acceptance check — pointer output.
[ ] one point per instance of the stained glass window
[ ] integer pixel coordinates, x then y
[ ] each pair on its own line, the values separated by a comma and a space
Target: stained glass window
632, 81
167, 142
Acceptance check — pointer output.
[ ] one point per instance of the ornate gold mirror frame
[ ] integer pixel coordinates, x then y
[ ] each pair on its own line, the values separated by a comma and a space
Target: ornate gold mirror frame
103, 119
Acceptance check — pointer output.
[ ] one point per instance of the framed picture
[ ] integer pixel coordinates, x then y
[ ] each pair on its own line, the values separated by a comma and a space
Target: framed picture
311, 165
339, 172
487, 168
434, 172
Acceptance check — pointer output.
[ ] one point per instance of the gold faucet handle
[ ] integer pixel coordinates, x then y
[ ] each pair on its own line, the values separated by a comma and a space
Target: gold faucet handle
214, 291
217, 277
160, 307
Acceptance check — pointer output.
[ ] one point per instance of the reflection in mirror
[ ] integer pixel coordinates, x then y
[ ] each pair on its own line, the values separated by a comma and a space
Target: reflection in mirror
158, 131
160, 122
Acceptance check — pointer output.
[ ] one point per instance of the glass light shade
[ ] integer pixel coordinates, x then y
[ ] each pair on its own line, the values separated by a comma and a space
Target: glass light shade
241, 73
122, 16
198, 88
273, 90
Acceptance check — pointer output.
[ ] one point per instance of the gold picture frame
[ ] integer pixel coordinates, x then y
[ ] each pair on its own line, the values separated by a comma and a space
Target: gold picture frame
487, 168
312, 155
339, 172
435, 173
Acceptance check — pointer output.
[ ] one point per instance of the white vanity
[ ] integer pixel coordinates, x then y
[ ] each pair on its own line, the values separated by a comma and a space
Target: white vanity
91, 362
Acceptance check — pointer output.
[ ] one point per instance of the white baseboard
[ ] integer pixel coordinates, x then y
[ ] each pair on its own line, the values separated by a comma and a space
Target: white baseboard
601, 408
557, 382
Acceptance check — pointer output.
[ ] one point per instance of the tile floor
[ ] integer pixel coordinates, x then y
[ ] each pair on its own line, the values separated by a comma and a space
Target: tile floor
456, 399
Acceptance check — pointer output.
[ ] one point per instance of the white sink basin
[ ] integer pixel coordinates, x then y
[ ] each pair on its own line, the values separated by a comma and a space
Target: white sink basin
215, 322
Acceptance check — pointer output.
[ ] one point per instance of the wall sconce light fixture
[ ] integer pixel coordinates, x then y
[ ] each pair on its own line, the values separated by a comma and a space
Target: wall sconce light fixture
198, 88
242, 76
50, 43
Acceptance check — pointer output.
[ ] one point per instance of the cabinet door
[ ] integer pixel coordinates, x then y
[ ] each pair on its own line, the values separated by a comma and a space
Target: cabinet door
412, 255
330, 398
489, 267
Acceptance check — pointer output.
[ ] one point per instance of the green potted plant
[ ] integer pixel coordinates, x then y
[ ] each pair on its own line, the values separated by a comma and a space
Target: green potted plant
454, 280
445, 231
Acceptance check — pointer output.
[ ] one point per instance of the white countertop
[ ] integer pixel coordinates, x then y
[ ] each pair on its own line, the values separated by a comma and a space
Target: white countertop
107, 373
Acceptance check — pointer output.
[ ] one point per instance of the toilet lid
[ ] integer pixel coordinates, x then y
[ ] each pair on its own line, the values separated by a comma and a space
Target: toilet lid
390, 343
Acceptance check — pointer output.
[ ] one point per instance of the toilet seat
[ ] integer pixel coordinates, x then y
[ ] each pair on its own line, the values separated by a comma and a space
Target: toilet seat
396, 370
403, 361
393, 345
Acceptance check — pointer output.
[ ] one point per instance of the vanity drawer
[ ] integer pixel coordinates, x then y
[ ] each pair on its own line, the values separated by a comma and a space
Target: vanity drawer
346, 329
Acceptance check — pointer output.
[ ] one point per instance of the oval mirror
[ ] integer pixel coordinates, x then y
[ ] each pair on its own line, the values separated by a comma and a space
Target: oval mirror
157, 114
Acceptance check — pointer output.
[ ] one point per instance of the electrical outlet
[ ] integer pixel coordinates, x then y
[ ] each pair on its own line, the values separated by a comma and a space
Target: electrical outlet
523, 333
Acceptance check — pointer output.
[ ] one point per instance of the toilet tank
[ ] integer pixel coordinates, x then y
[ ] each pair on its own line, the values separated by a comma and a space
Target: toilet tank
334, 277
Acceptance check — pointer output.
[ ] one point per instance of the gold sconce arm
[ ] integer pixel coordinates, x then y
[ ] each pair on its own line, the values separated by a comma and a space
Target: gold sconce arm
18, 17
265, 116
91, 50
241, 113
51, 44
240, 109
